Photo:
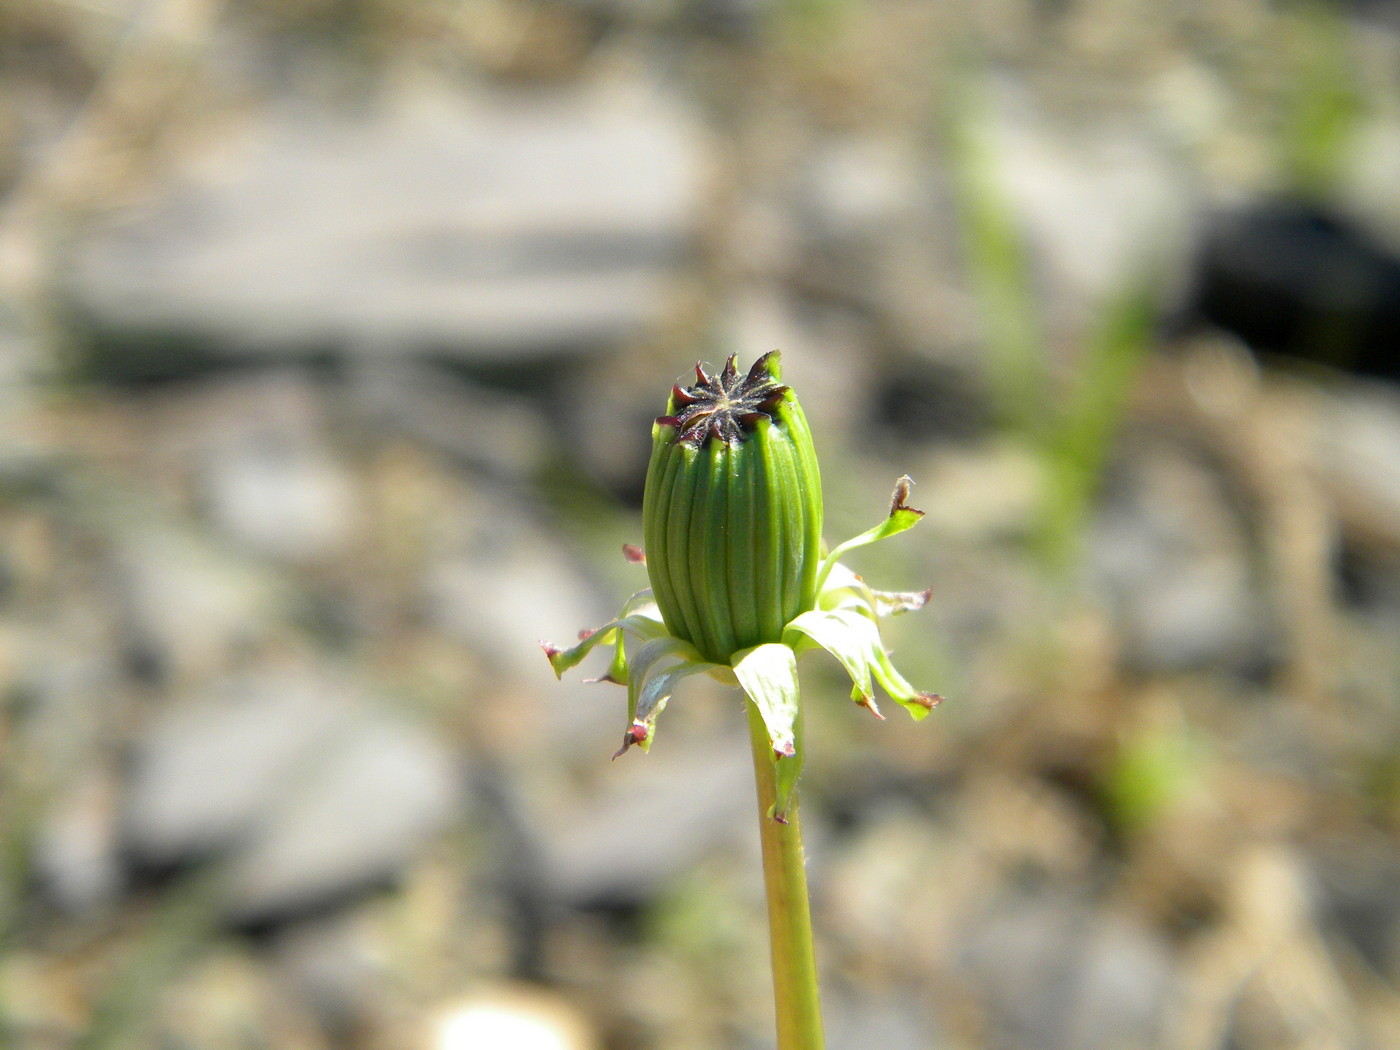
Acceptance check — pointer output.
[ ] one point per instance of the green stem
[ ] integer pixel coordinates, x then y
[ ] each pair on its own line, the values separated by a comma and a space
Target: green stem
795, 993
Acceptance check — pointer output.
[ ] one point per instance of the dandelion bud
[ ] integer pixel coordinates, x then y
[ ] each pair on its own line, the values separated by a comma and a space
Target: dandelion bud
733, 510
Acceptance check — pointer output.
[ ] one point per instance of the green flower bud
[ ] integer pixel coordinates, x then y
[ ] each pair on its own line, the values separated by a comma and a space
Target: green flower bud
733, 510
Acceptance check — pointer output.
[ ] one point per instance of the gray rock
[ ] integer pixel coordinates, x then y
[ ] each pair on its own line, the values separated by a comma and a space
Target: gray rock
75, 852
1357, 449
861, 185
505, 436
305, 791
335, 965
1172, 561
508, 586
517, 224
1101, 203
1055, 976
23, 368
272, 485
660, 813
1122, 988
1356, 880
861, 1023
370, 798
189, 605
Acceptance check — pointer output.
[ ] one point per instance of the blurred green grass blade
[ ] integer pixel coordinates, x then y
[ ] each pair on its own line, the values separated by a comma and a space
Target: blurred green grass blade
1085, 427
1155, 768
184, 921
998, 264
1322, 102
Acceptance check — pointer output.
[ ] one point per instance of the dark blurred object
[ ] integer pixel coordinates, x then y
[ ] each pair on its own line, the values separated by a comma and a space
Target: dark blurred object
917, 403
1291, 278
1381, 12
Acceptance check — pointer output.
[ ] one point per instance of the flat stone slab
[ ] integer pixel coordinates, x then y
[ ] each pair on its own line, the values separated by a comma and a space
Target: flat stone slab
524, 224
300, 789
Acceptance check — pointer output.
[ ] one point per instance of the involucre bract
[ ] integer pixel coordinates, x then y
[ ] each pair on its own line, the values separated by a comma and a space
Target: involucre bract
732, 511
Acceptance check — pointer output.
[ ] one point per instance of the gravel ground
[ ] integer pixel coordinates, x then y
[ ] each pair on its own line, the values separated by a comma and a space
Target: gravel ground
330, 337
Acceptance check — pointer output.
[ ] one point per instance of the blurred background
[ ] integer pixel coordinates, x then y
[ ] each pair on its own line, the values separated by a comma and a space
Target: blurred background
330, 336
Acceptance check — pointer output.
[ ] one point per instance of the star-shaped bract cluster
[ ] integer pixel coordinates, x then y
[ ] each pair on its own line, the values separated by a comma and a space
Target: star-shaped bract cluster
725, 406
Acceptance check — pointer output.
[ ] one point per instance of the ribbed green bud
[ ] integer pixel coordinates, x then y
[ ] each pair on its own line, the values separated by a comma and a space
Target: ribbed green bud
733, 510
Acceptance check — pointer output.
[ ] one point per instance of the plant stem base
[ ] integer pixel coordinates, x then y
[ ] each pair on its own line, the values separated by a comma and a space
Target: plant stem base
795, 994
